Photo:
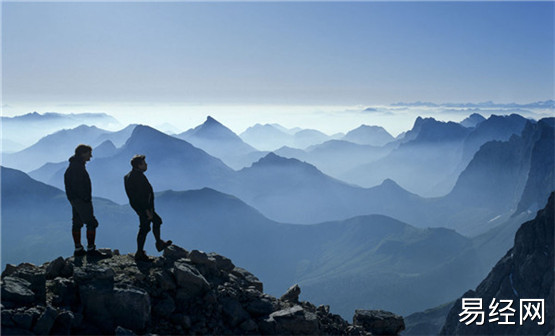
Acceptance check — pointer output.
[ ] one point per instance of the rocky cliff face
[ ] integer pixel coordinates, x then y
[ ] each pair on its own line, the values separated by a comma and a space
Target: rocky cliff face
525, 272
179, 293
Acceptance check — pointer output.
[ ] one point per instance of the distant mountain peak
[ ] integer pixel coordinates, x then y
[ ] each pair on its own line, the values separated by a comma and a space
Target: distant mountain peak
211, 121
473, 120
211, 129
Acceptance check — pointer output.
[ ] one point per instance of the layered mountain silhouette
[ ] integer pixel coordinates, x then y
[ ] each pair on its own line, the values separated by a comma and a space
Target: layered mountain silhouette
273, 136
499, 128
219, 141
431, 150
387, 254
311, 196
267, 137
337, 157
38, 125
174, 164
60, 145
437, 152
495, 179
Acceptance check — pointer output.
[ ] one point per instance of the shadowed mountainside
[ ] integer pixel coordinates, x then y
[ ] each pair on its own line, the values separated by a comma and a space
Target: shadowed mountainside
525, 272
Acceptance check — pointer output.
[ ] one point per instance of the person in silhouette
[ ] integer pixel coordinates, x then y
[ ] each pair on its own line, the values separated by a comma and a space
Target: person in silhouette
79, 193
141, 199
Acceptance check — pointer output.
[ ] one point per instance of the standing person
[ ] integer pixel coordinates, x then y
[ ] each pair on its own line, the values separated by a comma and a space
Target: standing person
78, 191
141, 199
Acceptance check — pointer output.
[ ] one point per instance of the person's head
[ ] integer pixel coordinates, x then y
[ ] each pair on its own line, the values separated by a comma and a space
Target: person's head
84, 152
138, 162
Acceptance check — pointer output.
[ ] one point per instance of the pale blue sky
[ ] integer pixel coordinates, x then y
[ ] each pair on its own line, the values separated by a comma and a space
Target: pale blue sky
306, 64
277, 53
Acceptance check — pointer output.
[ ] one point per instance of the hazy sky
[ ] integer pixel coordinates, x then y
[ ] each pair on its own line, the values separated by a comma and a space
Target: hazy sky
283, 53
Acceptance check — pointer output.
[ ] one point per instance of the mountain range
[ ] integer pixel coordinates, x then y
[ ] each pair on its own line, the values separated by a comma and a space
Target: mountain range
37, 125
437, 152
309, 196
386, 251
60, 145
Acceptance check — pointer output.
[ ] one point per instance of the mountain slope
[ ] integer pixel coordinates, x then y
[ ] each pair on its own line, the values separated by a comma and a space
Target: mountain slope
542, 167
59, 146
173, 164
267, 137
525, 272
288, 190
219, 141
431, 150
336, 157
385, 253
53, 148
369, 135
38, 125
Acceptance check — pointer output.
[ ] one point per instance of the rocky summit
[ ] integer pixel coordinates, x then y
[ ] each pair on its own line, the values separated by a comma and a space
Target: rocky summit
178, 293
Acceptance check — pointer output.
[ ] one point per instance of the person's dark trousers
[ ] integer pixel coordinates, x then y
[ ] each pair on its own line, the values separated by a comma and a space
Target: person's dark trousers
144, 229
83, 213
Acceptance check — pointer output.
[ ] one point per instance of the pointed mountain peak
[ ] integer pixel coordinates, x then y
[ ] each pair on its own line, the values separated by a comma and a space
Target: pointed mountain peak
211, 121
211, 129
145, 134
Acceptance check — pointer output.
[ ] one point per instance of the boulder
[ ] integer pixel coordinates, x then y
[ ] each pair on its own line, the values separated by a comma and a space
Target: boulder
189, 278
36, 278
295, 320
25, 319
131, 308
63, 323
233, 311
174, 252
16, 292
248, 277
96, 290
222, 263
63, 292
165, 280
292, 294
379, 322
55, 268
260, 307
46, 321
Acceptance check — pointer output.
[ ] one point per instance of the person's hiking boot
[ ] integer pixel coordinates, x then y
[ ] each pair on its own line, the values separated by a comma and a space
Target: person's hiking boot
141, 256
92, 252
161, 245
79, 251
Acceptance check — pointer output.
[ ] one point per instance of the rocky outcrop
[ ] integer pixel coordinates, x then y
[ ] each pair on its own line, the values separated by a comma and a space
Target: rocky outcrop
179, 293
524, 273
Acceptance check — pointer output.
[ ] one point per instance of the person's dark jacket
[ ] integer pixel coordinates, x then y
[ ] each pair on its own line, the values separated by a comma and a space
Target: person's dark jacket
77, 181
139, 191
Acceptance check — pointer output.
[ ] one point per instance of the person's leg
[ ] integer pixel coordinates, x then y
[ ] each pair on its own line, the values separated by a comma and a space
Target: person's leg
76, 226
85, 210
144, 229
87, 215
156, 223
